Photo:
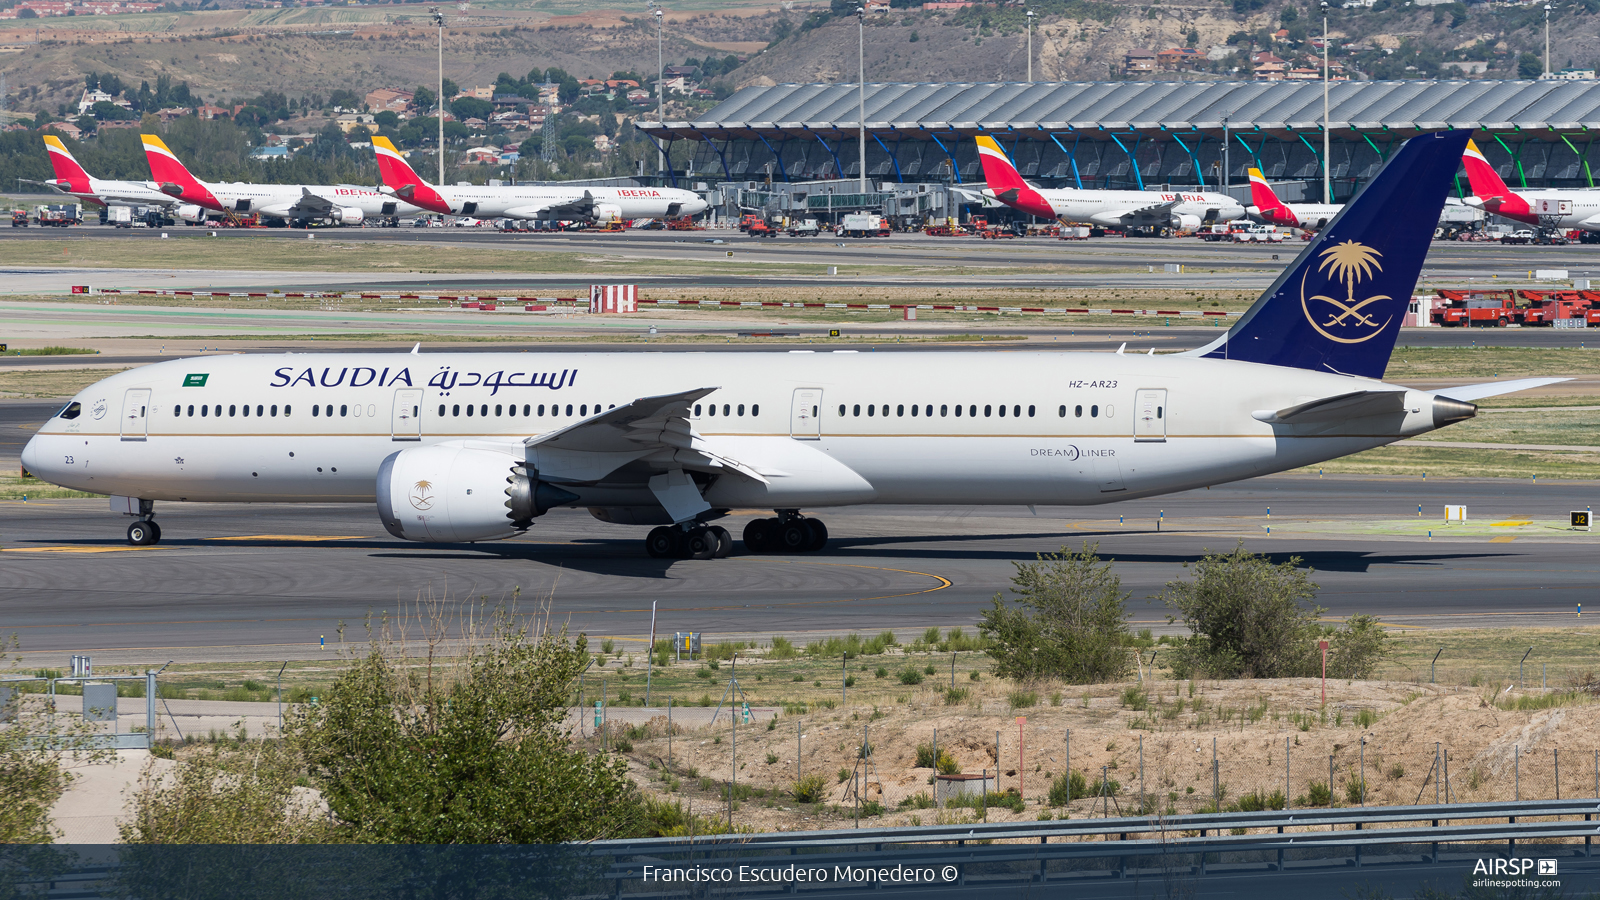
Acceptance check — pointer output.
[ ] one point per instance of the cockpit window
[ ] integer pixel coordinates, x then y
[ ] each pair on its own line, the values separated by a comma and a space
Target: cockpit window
70, 411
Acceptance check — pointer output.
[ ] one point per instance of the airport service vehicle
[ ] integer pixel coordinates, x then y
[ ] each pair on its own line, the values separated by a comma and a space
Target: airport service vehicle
19, 218
1160, 210
1253, 233
761, 228
119, 216
804, 228
71, 178
1520, 236
57, 215
296, 204
860, 225
1549, 307
532, 201
476, 446
1481, 308
1266, 207
1548, 208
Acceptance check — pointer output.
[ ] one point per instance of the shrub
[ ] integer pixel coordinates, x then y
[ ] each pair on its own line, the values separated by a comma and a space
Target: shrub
1249, 618
782, 648
1355, 650
621, 744
1354, 791
1397, 772
1319, 795
956, 696
929, 670
1023, 699
1134, 698
931, 636
811, 788
910, 676
872, 808
1068, 786
772, 758
925, 757
1254, 802
947, 764
881, 673
849, 681
1068, 620
844, 775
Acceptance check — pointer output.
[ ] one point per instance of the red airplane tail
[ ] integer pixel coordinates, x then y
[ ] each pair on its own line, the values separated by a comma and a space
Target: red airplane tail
1006, 182
1263, 198
400, 178
69, 175
1488, 186
173, 177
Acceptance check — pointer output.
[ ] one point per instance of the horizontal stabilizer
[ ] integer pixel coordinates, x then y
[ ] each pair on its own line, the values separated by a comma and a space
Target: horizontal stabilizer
1496, 388
1338, 408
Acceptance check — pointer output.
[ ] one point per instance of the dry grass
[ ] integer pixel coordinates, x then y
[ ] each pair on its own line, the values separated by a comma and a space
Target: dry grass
53, 382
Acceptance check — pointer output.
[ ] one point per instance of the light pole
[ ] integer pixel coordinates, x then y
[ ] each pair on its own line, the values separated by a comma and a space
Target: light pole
1547, 40
861, 96
1327, 163
1030, 46
661, 90
438, 21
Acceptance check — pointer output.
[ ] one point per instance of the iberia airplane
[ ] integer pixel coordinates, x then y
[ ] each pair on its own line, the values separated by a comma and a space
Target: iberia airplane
1265, 206
1157, 209
531, 201
476, 446
1551, 207
333, 204
71, 178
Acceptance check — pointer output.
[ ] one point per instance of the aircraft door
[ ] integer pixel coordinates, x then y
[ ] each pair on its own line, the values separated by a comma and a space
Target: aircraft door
136, 414
407, 415
1150, 416
805, 415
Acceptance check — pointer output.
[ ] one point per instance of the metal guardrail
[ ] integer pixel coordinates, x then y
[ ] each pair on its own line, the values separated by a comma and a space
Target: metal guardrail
1189, 843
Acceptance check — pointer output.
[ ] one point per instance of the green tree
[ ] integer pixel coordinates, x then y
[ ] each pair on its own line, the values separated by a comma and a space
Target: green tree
1249, 617
227, 795
1068, 620
466, 750
1529, 66
471, 108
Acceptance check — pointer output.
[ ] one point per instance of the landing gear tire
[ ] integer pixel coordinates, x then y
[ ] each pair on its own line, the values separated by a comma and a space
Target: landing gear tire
701, 543
155, 527
819, 535
758, 535
794, 536
724, 542
662, 542
143, 533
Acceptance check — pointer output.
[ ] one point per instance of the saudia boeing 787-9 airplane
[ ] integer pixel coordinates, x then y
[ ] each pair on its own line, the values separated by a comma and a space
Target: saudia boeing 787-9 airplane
476, 446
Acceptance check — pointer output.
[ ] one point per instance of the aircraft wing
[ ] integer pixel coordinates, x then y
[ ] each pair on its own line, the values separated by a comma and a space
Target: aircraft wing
578, 206
1470, 392
311, 203
1156, 211
654, 430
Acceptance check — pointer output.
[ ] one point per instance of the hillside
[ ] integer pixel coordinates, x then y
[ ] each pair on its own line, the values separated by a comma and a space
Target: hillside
228, 55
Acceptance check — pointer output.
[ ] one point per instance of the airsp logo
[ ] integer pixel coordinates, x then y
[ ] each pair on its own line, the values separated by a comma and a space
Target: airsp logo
98, 410
1344, 320
422, 495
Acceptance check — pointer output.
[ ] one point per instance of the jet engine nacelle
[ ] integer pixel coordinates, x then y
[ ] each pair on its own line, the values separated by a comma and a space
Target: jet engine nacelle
456, 493
607, 212
1186, 220
348, 215
191, 212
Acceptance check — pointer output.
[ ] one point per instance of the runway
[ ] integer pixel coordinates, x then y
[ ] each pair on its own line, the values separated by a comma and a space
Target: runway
1023, 263
266, 582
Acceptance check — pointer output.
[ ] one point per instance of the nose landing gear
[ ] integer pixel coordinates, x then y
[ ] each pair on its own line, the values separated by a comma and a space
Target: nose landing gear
145, 531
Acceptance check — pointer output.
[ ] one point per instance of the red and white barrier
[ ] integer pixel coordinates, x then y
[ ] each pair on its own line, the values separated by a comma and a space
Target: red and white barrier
613, 298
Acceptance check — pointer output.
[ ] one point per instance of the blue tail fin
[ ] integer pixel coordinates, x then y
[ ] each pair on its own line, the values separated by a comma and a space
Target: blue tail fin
1338, 308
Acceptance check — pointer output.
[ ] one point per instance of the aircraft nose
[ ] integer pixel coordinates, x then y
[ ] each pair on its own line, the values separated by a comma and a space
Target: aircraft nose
33, 455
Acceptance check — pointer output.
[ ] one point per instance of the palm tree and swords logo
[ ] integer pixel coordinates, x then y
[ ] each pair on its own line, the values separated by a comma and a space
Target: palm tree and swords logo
422, 495
1351, 263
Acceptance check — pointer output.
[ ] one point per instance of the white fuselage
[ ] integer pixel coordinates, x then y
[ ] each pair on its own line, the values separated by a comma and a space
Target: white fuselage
123, 193
286, 201
551, 202
1309, 216
1190, 208
1551, 208
1033, 428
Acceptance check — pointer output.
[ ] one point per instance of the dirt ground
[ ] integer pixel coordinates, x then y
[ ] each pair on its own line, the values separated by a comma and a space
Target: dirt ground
1487, 749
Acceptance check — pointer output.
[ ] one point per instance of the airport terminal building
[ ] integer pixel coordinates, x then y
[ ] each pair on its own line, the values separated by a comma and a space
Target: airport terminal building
1134, 134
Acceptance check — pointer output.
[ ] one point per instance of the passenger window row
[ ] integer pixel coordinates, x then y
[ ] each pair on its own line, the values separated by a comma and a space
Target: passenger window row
728, 409
216, 410
510, 410
1077, 411
971, 411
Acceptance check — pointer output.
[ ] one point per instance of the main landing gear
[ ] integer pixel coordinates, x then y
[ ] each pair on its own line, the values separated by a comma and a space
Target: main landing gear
789, 533
697, 542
